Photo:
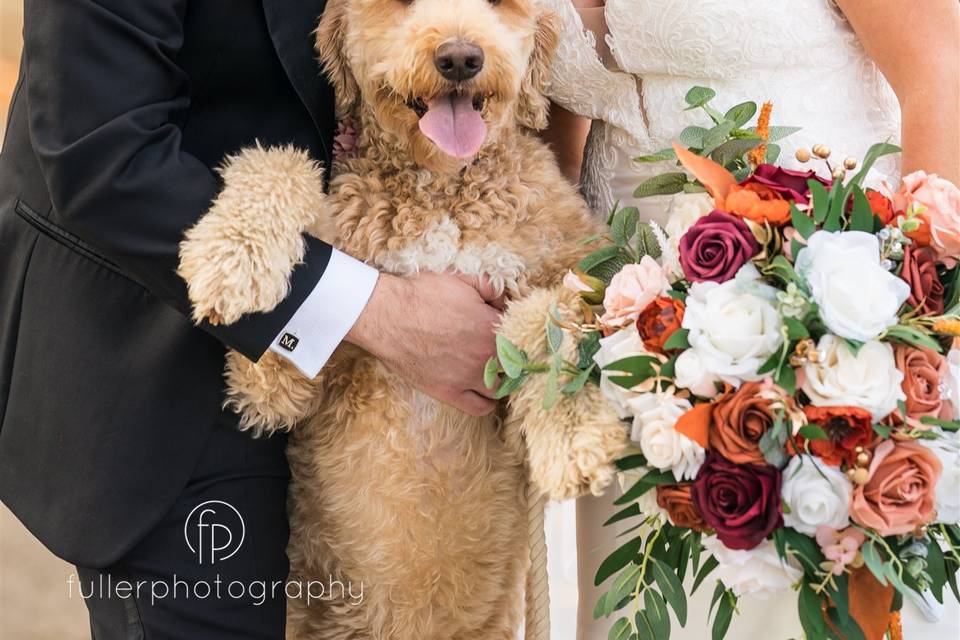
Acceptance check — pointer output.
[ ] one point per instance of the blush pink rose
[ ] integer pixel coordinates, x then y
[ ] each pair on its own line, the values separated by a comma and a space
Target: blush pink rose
633, 288
899, 496
941, 200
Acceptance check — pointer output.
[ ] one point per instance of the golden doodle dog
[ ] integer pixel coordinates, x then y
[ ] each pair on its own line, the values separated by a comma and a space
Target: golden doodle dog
422, 505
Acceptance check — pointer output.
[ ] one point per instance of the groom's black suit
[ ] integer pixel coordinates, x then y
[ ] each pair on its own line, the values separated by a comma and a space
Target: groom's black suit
123, 110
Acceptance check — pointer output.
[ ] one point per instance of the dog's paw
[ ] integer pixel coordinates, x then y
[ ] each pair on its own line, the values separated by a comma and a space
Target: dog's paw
270, 394
238, 258
572, 448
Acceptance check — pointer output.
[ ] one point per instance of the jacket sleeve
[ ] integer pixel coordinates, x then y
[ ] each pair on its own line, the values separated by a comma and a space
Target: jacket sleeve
105, 96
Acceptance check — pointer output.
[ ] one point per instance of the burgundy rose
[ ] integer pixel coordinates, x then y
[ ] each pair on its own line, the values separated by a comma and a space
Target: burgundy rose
715, 248
741, 502
791, 185
920, 272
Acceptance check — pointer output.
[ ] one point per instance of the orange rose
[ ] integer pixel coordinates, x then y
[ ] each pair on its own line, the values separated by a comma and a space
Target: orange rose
846, 427
739, 421
658, 321
758, 203
677, 501
899, 496
880, 205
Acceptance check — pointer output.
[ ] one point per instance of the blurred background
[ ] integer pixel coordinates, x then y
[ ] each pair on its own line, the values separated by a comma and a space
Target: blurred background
34, 602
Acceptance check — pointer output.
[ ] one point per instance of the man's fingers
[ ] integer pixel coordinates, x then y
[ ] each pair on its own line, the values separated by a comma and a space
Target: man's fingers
485, 288
473, 403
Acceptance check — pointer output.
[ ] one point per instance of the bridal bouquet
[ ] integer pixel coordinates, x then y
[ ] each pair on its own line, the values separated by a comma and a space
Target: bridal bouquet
786, 353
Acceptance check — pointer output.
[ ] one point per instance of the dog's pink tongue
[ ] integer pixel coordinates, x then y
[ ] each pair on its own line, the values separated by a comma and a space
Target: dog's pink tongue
453, 125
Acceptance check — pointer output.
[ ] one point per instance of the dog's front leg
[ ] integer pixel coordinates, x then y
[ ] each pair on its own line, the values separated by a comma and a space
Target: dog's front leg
570, 448
238, 258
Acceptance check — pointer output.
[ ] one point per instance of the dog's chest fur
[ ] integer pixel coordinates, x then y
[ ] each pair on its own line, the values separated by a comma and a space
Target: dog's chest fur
404, 220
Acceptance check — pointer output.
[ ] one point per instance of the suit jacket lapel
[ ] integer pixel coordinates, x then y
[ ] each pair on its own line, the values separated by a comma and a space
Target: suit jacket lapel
291, 24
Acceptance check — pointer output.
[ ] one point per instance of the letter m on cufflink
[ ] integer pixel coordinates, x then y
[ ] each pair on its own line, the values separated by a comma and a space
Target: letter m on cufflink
289, 341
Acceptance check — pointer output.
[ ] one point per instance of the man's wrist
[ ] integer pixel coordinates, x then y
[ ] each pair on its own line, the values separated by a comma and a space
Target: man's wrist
368, 331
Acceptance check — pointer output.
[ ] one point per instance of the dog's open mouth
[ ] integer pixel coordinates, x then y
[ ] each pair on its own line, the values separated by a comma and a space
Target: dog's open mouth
453, 122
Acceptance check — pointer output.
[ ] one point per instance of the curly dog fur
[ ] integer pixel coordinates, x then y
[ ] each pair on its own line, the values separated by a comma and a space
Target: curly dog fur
421, 504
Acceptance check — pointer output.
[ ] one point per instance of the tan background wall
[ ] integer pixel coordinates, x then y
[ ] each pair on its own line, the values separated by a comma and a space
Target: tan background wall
34, 602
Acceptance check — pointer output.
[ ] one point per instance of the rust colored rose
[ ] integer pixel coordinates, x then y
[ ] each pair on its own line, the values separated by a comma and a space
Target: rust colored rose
846, 427
920, 272
739, 421
677, 500
658, 321
899, 496
922, 371
758, 203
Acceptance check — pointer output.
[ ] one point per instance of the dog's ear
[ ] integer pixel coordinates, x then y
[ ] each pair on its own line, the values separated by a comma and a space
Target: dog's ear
532, 106
331, 34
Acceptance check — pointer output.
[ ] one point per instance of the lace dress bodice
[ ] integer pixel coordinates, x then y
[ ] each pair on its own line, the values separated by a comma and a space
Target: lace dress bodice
800, 54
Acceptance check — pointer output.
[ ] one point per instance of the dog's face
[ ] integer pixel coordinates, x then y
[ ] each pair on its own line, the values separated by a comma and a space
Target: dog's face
443, 76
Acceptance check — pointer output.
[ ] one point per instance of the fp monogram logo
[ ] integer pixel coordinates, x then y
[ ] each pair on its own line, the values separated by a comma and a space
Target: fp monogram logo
214, 531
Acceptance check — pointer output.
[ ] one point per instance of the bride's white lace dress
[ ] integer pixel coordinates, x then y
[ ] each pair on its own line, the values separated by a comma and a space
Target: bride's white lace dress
800, 54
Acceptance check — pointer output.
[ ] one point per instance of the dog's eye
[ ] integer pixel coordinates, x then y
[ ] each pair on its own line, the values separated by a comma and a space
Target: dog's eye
494, 2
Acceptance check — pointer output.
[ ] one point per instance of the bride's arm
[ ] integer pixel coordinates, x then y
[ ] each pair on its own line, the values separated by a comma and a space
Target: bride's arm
917, 47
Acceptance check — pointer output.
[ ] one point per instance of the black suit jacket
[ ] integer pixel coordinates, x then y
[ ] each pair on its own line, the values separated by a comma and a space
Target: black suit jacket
122, 112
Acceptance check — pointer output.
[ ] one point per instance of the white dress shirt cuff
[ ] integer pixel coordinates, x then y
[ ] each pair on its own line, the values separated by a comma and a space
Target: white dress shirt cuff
327, 315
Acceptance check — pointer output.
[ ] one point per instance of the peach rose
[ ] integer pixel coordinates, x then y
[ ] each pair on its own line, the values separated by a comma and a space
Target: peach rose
922, 371
633, 288
940, 200
899, 496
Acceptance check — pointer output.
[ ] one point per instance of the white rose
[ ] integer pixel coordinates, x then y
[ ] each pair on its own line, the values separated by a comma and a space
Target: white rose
734, 326
685, 210
757, 572
952, 381
947, 496
654, 415
625, 343
689, 373
858, 298
815, 494
869, 380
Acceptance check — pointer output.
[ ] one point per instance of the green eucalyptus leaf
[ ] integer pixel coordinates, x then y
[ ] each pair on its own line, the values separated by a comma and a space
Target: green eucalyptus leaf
490, 372
741, 113
699, 96
773, 153
630, 511
659, 156
621, 630
804, 224
671, 588
663, 184
709, 565
655, 609
554, 335
508, 386
624, 225
577, 382
777, 133
512, 359
861, 218
692, 137
647, 244
617, 560
721, 623
732, 150
820, 199
716, 136
551, 393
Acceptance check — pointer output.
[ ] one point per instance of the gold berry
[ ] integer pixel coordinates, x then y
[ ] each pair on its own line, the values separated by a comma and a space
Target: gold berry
839, 173
803, 155
821, 151
863, 459
850, 164
860, 476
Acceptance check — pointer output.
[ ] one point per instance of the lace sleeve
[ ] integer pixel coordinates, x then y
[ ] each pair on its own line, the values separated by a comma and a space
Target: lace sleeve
579, 82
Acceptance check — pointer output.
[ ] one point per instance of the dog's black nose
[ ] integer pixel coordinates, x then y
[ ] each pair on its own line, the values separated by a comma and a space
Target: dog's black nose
458, 61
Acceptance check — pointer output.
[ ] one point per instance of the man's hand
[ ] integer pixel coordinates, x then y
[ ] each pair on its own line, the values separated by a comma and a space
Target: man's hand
436, 331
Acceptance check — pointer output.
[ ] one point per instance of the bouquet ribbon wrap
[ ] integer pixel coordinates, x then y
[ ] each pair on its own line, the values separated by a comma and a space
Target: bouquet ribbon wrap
870, 604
